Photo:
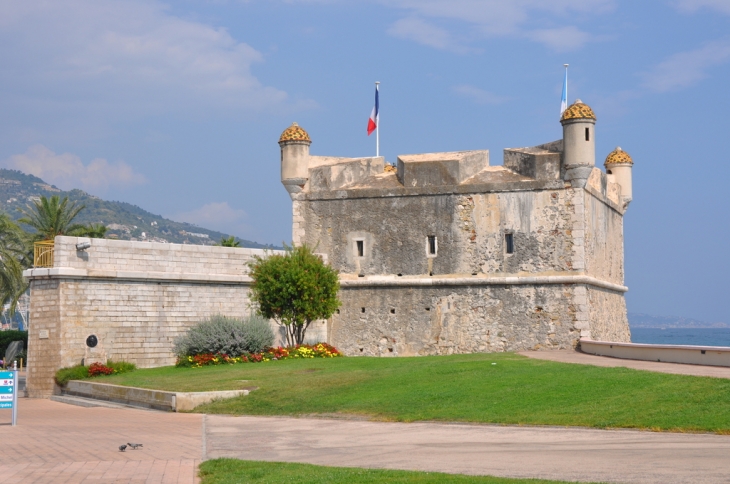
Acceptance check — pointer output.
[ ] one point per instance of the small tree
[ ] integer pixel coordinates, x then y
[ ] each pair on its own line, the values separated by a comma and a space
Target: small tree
294, 289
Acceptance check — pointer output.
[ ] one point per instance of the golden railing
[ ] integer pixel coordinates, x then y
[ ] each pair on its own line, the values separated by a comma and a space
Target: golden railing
43, 253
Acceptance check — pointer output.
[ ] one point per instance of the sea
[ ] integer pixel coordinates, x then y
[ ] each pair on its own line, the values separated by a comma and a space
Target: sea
682, 336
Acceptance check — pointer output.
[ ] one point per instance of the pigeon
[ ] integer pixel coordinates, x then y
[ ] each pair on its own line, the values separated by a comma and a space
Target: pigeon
134, 446
122, 447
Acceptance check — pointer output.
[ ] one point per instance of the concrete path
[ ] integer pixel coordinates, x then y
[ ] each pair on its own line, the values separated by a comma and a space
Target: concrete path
58, 443
572, 356
548, 453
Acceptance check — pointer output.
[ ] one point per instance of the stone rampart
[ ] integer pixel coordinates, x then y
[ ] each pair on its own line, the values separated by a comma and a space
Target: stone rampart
136, 297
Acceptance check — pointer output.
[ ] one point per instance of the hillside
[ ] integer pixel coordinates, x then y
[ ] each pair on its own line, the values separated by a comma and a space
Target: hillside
124, 220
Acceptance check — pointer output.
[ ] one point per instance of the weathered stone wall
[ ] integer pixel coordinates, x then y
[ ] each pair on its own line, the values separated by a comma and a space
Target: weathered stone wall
152, 257
406, 321
570, 234
604, 240
608, 319
470, 230
44, 354
136, 297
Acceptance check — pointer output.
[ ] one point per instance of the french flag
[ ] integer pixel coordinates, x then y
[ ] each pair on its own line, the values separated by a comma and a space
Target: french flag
374, 115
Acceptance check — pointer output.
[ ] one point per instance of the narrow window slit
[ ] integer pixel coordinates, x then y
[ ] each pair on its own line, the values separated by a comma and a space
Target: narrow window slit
360, 247
362, 310
392, 311
588, 134
509, 243
432, 245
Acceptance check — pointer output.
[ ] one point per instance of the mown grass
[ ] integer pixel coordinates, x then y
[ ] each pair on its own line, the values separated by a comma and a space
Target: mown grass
233, 471
465, 388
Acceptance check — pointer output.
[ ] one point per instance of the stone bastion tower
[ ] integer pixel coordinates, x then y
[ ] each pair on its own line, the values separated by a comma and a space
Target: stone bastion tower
444, 253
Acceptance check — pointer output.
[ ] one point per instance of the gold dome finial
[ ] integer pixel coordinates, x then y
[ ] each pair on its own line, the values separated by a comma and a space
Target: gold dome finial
618, 157
294, 133
578, 110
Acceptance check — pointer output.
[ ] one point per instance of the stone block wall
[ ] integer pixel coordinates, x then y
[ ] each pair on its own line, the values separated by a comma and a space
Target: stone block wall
136, 297
408, 321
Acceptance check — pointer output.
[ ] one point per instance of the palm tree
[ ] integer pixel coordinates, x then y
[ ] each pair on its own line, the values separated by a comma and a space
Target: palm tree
94, 231
14, 257
51, 217
229, 242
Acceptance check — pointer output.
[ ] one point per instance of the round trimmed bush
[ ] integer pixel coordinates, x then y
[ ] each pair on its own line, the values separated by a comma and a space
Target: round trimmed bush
230, 336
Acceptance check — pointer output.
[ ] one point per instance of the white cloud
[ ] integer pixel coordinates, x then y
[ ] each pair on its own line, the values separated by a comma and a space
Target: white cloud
216, 216
693, 5
67, 171
561, 39
479, 96
686, 68
123, 55
418, 30
515, 18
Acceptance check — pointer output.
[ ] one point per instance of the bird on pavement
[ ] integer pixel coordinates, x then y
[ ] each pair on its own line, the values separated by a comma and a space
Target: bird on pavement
122, 447
134, 446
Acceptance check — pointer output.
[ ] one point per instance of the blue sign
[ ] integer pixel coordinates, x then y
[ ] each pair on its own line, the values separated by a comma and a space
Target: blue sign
8, 396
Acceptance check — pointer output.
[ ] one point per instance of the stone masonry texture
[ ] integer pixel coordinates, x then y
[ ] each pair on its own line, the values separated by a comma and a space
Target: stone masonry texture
129, 298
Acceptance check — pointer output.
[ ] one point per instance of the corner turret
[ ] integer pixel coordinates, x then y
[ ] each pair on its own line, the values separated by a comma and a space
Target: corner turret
619, 166
579, 143
294, 143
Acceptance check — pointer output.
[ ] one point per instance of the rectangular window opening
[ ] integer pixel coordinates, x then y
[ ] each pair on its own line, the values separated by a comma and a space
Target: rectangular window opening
509, 243
362, 310
392, 311
432, 245
360, 248
588, 134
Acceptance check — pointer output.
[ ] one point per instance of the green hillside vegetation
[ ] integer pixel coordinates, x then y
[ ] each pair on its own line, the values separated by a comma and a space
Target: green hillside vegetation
124, 220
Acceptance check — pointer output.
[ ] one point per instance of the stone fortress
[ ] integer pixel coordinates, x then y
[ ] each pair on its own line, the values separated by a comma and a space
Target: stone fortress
441, 254
444, 253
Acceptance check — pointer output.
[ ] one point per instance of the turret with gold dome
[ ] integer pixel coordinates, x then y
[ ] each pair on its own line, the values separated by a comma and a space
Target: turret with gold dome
294, 143
579, 142
618, 168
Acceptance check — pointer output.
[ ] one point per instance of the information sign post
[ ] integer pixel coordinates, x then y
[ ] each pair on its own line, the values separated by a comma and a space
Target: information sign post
8, 392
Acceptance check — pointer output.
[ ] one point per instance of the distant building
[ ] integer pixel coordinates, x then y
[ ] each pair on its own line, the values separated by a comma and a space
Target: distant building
445, 253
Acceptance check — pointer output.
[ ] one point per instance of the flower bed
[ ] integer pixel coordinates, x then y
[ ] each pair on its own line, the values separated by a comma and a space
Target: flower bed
319, 350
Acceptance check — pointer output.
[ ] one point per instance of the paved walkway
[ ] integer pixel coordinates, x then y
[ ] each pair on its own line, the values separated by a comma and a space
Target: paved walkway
572, 356
58, 443
548, 453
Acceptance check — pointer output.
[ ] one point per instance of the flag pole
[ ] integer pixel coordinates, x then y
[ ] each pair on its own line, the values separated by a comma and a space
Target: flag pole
566, 79
377, 127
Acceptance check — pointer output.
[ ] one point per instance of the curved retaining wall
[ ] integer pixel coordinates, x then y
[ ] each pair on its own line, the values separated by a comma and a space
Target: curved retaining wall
692, 355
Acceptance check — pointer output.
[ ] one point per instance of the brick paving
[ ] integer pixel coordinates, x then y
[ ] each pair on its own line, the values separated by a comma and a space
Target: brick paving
58, 443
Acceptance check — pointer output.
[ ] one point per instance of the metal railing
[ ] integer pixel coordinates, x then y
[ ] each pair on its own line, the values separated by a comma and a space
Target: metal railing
43, 253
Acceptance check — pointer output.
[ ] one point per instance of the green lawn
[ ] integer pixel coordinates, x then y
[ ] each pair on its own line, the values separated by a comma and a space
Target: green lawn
468, 388
232, 471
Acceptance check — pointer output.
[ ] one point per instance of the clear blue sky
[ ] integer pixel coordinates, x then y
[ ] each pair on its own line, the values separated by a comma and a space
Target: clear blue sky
177, 107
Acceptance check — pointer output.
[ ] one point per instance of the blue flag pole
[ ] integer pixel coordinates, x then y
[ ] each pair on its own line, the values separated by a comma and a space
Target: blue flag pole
564, 98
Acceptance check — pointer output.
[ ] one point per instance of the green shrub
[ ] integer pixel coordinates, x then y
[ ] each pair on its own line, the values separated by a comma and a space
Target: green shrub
81, 372
224, 335
121, 366
7, 337
64, 375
